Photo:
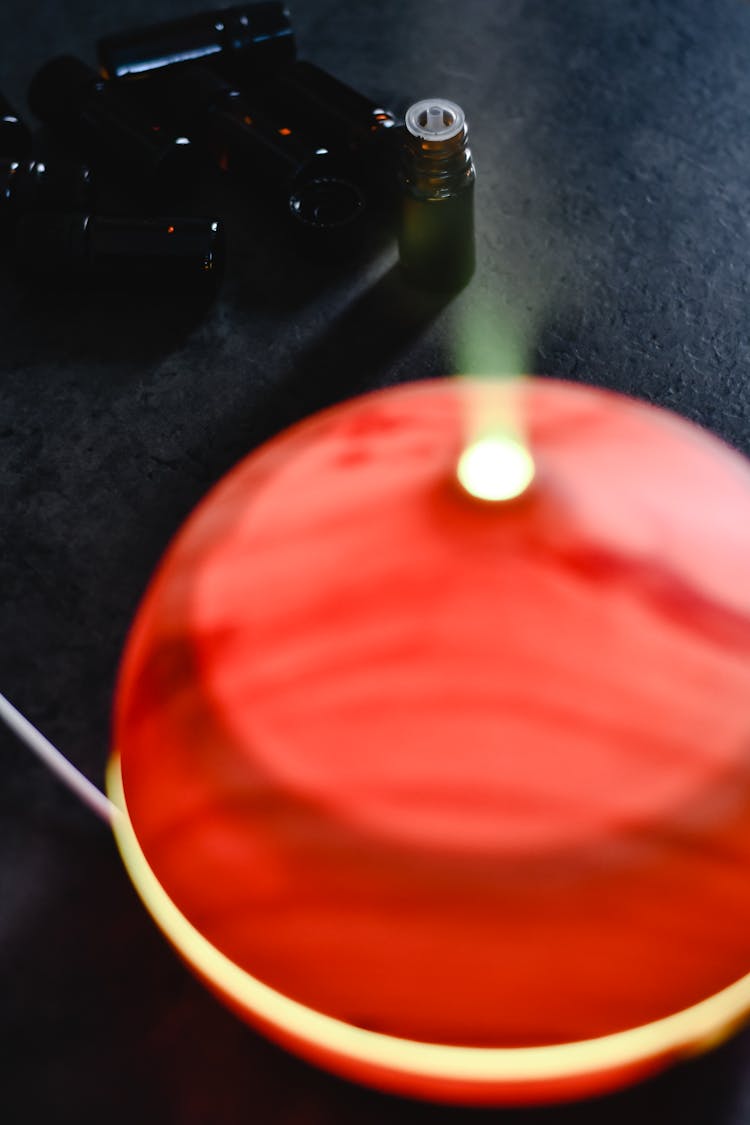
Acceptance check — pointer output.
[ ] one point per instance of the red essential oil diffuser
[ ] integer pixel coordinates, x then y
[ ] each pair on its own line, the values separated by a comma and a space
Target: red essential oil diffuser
443, 787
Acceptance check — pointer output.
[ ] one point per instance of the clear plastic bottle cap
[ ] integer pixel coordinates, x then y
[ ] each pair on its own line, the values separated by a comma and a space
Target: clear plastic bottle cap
434, 119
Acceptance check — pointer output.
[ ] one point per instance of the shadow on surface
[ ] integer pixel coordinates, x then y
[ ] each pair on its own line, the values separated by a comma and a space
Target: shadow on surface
357, 353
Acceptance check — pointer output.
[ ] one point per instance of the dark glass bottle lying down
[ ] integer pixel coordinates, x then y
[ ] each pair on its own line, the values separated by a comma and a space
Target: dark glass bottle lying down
176, 254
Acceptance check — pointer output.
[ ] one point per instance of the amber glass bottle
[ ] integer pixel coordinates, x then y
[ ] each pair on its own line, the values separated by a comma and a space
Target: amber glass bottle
339, 116
311, 185
44, 185
252, 38
15, 138
436, 232
109, 123
172, 254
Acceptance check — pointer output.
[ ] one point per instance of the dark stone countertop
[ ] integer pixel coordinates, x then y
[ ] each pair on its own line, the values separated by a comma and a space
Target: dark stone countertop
612, 141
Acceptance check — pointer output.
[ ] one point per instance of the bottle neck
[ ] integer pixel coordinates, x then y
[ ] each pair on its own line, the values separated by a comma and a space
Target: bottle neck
436, 169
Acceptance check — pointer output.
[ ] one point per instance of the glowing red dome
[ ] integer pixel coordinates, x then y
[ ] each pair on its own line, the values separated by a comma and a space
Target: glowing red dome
454, 797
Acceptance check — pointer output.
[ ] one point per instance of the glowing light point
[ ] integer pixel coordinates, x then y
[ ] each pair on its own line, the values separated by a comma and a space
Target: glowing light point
495, 468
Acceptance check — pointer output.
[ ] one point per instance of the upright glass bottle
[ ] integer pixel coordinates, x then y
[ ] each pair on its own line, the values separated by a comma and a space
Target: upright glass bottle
436, 228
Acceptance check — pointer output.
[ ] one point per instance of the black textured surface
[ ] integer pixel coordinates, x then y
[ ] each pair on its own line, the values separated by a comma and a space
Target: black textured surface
612, 142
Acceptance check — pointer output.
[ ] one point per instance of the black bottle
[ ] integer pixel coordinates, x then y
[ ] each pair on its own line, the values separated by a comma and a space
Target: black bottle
172, 254
42, 185
339, 116
436, 230
15, 138
311, 186
110, 124
256, 38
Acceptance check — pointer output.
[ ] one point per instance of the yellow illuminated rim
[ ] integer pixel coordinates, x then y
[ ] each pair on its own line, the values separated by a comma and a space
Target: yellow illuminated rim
687, 1032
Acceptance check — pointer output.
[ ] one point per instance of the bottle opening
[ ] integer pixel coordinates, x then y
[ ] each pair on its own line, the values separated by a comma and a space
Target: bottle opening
434, 119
